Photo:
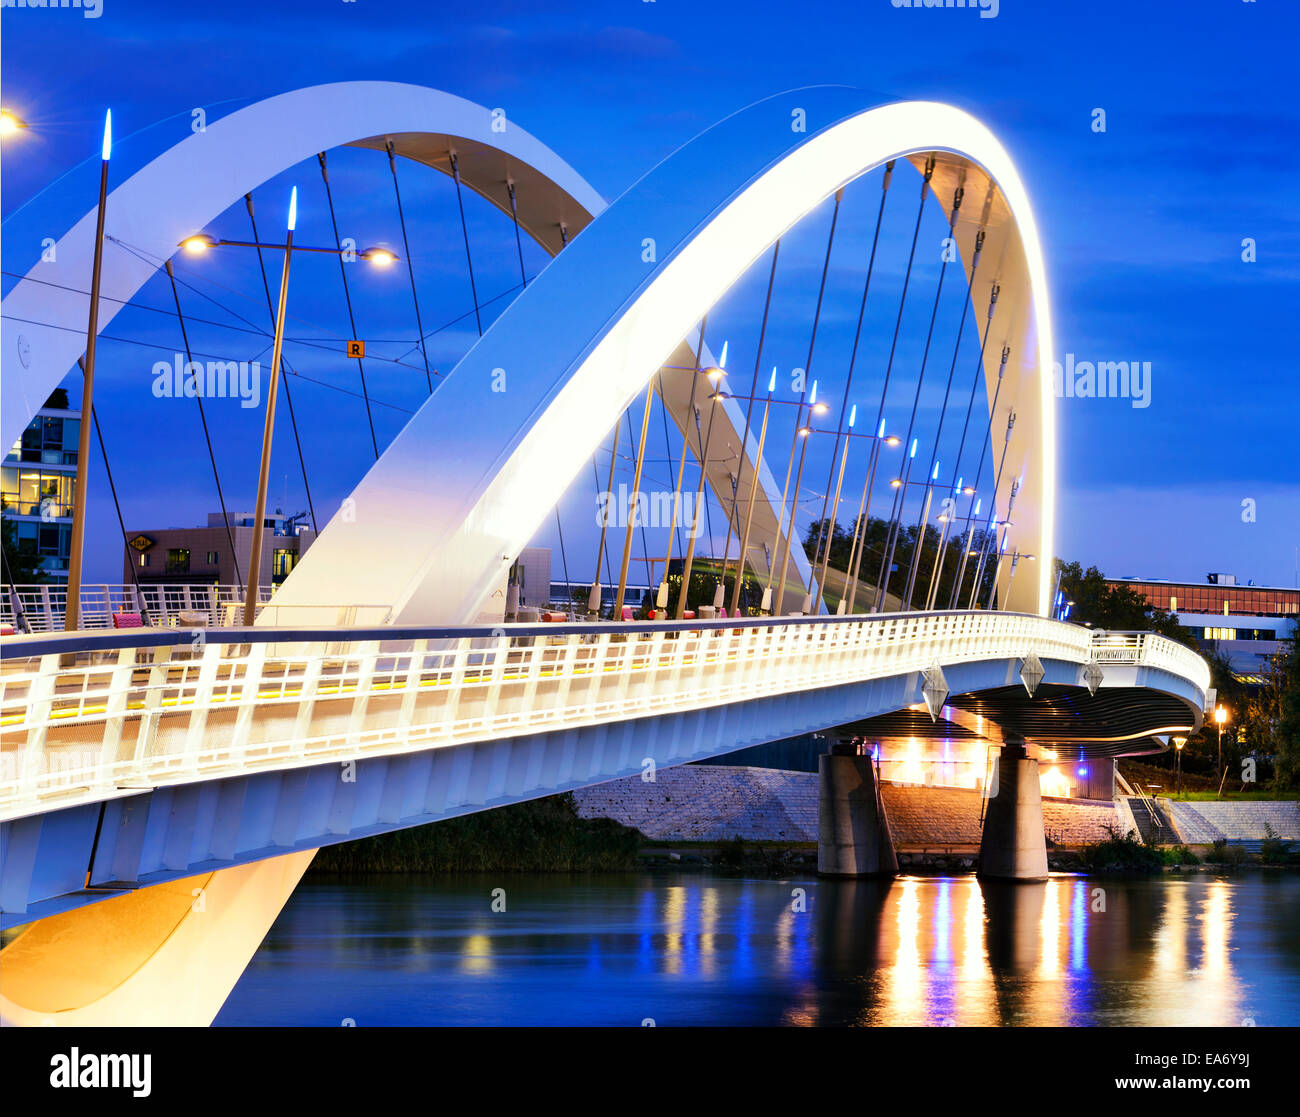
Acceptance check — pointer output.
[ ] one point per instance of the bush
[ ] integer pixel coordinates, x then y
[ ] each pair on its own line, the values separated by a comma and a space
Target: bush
732, 853
1223, 853
1274, 850
1126, 854
1179, 855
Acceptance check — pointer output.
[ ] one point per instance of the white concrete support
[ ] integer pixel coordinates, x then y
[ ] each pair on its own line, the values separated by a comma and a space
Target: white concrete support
853, 838
1013, 845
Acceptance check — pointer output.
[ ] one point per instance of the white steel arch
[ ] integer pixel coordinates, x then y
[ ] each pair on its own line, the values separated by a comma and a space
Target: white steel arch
467, 482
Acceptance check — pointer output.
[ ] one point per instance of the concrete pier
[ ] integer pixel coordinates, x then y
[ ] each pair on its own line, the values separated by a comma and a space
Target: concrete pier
853, 838
1012, 845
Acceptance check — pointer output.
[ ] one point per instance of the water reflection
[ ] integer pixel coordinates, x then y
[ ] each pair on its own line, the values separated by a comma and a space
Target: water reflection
708, 950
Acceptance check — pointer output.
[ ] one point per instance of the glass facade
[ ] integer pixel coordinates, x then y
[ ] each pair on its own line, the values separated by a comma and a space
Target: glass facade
1193, 597
37, 482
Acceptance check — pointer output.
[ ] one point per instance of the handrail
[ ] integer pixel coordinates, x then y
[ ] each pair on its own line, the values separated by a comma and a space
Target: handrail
85, 713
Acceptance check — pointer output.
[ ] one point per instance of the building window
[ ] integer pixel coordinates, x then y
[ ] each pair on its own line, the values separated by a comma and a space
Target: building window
281, 563
144, 560
1220, 633
178, 560
212, 558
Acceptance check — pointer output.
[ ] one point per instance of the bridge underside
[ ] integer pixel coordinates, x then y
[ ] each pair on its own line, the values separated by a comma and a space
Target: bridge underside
69, 858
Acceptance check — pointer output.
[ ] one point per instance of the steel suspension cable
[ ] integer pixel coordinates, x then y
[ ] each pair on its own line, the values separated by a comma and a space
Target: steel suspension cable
283, 370
347, 297
207, 437
460, 201
112, 488
789, 539
410, 266
744, 440
828, 530
985, 444
900, 493
661, 601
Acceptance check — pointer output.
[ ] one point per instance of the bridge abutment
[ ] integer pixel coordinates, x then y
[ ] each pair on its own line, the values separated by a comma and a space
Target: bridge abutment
853, 838
1012, 844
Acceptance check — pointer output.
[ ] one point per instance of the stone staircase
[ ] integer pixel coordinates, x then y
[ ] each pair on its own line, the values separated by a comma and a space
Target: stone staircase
1238, 821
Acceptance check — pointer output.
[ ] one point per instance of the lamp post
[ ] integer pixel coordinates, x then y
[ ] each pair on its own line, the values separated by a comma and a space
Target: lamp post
1220, 716
835, 509
11, 123
202, 242
715, 378
753, 489
864, 511
887, 561
1179, 742
801, 432
76, 549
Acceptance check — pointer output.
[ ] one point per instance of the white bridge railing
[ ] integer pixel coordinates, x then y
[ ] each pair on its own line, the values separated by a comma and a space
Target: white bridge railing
40, 608
87, 716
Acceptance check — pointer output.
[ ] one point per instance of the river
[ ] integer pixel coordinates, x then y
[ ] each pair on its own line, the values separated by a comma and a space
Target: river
695, 949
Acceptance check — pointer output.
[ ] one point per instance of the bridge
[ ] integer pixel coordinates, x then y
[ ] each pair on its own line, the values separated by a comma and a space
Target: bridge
163, 788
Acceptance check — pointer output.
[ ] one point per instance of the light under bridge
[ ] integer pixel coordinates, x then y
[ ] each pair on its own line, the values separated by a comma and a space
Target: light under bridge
163, 789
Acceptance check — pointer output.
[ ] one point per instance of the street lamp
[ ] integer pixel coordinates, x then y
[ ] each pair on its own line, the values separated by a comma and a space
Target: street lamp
199, 243
10, 123
77, 543
1179, 742
1220, 716
802, 431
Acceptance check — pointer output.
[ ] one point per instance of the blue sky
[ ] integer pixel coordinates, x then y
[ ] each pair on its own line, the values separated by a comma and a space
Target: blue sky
1142, 224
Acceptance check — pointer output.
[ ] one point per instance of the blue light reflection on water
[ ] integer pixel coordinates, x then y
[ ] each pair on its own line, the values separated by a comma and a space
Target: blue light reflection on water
702, 949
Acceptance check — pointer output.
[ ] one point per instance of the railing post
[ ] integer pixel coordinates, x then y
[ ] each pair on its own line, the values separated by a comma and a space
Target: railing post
40, 698
414, 673
115, 711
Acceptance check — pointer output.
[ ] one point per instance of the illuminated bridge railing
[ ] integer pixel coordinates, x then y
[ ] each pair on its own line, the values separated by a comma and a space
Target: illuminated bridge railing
94, 715
162, 605
1149, 649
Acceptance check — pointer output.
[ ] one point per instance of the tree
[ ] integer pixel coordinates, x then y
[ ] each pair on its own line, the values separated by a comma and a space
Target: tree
21, 567
1286, 738
1115, 608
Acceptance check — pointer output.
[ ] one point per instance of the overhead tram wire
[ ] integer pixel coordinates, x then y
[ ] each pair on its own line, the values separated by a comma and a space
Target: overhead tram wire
347, 297
283, 370
827, 530
207, 437
157, 262
791, 533
410, 266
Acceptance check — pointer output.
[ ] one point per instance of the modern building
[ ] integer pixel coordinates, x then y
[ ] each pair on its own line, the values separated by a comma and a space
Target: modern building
1243, 621
203, 554
37, 482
